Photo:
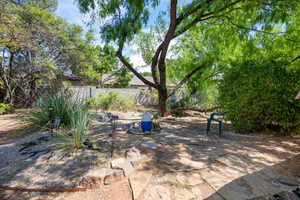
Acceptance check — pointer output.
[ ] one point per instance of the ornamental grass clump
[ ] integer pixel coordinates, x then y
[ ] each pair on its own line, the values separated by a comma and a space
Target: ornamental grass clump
70, 110
79, 125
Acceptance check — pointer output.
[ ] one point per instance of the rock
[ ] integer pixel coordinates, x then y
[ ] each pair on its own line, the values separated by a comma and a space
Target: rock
191, 163
120, 191
184, 194
194, 179
114, 177
93, 178
139, 181
124, 164
157, 192
133, 155
97, 177
151, 145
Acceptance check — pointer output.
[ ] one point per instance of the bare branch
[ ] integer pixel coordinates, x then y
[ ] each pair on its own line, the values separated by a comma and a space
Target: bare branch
136, 73
154, 64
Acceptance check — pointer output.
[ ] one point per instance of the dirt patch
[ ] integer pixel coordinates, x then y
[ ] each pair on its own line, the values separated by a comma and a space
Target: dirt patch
185, 163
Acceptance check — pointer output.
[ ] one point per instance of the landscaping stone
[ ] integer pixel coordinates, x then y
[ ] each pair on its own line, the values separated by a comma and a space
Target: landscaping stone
151, 145
139, 181
97, 177
133, 155
193, 164
114, 177
193, 179
158, 192
124, 164
120, 191
184, 194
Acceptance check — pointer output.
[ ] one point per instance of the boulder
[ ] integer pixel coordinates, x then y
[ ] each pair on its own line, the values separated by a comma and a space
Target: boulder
97, 177
133, 155
114, 177
124, 164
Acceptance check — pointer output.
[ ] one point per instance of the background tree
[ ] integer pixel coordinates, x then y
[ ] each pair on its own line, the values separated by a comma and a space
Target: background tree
37, 48
124, 19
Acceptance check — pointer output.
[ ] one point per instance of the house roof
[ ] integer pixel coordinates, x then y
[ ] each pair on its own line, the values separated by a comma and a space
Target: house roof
71, 77
137, 82
110, 79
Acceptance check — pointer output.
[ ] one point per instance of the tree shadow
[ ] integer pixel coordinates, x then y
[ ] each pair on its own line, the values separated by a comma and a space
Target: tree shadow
182, 146
281, 178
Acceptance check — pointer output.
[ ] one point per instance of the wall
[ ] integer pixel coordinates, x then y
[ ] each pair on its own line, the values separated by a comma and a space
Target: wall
138, 95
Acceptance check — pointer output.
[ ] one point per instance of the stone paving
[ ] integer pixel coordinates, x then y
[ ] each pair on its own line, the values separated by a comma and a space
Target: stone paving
181, 162
186, 164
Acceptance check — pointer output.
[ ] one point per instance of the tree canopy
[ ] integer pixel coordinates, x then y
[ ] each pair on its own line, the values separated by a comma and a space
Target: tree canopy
37, 48
123, 19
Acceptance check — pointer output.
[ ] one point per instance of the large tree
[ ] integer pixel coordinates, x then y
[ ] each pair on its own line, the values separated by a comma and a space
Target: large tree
123, 19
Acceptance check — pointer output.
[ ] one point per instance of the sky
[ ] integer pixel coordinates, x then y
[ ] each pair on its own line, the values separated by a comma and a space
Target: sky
68, 10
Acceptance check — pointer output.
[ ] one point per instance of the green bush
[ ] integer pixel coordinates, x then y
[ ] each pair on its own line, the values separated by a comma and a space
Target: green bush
4, 108
111, 101
261, 97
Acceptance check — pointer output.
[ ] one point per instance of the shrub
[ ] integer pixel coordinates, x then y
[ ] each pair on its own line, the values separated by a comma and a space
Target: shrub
111, 101
4, 108
260, 97
62, 105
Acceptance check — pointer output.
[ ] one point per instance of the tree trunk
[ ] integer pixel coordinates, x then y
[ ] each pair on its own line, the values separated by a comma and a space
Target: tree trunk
163, 96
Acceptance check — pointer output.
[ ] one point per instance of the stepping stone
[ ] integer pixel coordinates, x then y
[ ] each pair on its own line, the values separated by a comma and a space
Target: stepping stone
133, 155
157, 192
96, 177
139, 181
124, 164
120, 191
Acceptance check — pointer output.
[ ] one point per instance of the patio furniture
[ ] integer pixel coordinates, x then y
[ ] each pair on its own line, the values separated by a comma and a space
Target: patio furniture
213, 118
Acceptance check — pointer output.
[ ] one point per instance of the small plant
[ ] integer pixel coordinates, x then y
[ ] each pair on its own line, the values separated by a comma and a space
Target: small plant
72, 113
111, 101
60, 106
4, 108
79, 125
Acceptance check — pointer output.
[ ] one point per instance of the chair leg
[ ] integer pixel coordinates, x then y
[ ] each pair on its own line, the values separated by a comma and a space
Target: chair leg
208, 126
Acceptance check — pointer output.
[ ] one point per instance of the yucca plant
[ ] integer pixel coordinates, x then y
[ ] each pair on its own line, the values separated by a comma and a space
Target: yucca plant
60, 106
79, 124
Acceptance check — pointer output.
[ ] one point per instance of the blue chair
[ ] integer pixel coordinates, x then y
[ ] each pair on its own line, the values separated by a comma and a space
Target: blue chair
213, 118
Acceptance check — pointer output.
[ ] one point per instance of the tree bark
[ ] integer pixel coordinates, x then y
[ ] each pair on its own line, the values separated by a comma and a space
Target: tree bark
163, 96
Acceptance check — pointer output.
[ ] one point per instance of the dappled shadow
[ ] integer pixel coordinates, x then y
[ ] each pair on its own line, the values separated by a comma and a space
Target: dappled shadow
281, 178
182, 146
53, 168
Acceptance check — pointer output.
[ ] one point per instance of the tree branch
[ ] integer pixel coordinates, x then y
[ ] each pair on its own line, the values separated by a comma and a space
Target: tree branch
191, 11
165, 44
154, 64
205, 17
185, 79
129, 66
295, 59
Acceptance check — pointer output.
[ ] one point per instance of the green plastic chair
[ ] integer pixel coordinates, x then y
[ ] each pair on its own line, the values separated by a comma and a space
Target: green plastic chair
219, 120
